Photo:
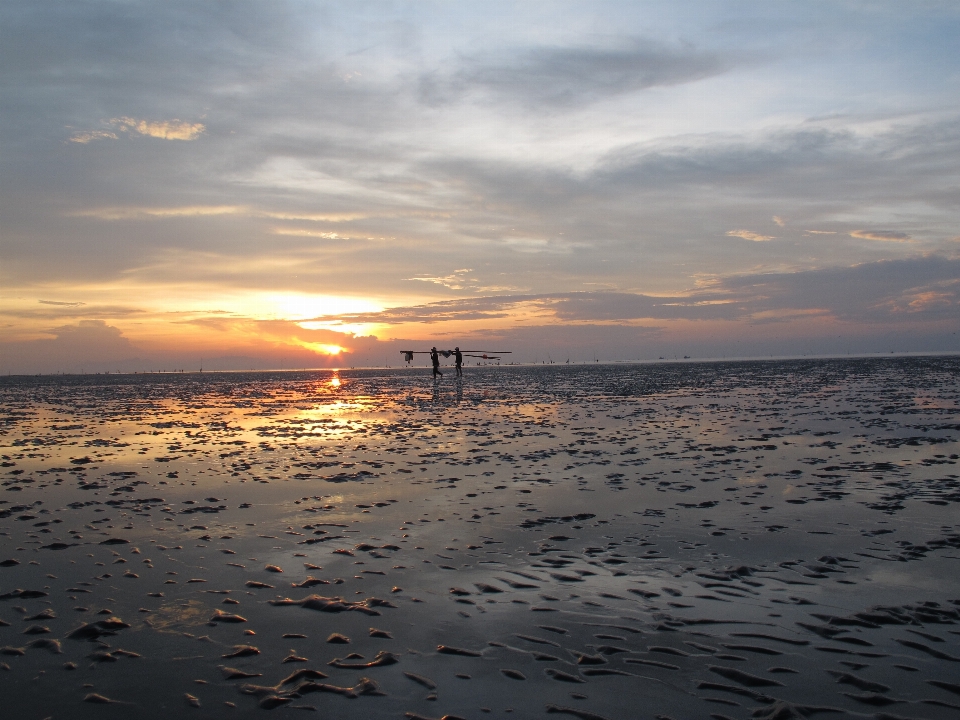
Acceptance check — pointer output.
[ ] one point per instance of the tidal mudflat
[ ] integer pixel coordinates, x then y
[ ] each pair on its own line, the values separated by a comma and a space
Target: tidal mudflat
726, 540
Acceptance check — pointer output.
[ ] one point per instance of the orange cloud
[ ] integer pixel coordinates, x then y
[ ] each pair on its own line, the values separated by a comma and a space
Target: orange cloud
750, 235
86, 136
163, 129
931, 299
881, 235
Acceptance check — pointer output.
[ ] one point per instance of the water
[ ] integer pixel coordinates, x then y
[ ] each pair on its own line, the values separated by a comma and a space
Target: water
655, 517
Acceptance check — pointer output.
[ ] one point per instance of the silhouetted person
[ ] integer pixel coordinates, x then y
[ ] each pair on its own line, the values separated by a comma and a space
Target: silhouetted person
435, 359
458, 357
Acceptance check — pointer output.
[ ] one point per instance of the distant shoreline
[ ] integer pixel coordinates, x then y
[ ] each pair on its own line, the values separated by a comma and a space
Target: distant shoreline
474, 368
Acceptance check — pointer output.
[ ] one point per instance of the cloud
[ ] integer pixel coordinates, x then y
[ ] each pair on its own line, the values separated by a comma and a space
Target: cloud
85, 136
535, 245
88, 345
623, 307
219, 324
162, 129
820, 232
45, 311
749, 235
556, 343
90, 331
313, 217
866, 293
456, 280
134, 213
304, 232
779, 220
127, 213
479, 308
819, 172
575, 75
930, 299
881, 235
560, 308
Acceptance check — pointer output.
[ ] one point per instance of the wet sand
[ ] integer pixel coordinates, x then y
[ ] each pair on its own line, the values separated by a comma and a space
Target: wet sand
728, 540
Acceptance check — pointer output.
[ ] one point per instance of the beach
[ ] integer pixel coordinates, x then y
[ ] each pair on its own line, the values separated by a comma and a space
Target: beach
768, 539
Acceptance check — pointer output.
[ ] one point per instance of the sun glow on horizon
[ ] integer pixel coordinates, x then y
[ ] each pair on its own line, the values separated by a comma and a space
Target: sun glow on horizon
323, 348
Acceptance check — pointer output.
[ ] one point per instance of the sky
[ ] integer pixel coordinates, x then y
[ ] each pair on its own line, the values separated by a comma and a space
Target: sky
235, 185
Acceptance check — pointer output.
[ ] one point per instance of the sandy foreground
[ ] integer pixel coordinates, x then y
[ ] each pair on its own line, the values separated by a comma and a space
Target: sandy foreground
730, 540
